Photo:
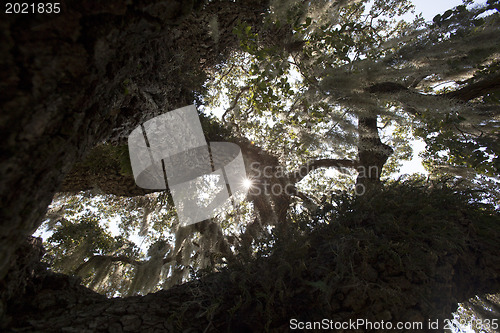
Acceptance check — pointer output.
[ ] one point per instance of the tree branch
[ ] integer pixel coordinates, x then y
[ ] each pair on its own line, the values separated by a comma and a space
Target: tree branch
122, 258
235, 100
476, 89
465, 94
101, 258
386, 88
310, 203
305, 169
225, 74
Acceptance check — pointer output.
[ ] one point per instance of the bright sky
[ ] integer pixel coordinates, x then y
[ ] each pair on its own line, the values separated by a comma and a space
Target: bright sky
431, 8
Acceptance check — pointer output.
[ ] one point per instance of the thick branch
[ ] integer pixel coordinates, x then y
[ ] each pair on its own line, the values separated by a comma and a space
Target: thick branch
386, 88
477, 89
465, 94
122, 258
104, 181
100, 258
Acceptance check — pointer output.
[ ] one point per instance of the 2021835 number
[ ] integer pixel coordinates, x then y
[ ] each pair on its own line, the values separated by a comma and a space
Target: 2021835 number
32, 8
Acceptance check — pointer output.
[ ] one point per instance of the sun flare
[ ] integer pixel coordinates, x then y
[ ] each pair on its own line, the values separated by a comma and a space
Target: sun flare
247, 183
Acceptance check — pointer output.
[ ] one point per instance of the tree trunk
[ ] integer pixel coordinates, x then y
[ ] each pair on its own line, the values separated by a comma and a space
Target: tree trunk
372, 153
89, 74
